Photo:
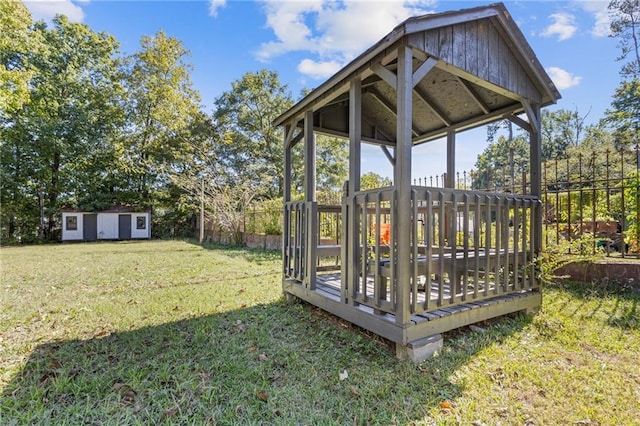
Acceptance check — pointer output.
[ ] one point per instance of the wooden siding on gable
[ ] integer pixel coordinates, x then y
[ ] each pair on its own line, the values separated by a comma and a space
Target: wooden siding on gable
478, 48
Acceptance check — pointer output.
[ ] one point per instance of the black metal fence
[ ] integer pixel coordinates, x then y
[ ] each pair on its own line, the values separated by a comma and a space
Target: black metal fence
592, 198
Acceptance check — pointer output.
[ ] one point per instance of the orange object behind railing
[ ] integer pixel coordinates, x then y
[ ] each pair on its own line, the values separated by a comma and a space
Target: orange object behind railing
385, 233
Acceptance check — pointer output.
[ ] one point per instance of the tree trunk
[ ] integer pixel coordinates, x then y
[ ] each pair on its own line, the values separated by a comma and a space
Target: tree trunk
53, 195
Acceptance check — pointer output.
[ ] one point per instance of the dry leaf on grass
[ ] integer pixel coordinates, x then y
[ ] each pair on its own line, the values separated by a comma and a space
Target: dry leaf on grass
262, 396
128, 397
446, 404
171, 411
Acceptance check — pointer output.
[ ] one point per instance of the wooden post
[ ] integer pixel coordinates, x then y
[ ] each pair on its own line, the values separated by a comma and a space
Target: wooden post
450, 183
402, 180
451, 159
355, 149
309, 158
286, 191
202, 211
310, 198
286, 197
536, 173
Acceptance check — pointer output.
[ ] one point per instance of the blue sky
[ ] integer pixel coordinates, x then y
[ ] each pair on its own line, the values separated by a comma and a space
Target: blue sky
307, 41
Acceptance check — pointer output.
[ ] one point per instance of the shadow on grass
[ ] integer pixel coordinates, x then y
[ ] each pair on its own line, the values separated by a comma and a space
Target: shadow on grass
255, 255
265, 364
615, 301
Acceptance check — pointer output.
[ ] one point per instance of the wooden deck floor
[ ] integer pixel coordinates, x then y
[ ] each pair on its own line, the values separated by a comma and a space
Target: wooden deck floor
330, 286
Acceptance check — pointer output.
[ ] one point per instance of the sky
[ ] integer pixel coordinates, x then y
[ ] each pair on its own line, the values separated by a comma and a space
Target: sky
307, 41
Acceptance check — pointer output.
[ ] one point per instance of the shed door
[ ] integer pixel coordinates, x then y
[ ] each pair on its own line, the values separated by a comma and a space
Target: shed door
90, 227
124, 227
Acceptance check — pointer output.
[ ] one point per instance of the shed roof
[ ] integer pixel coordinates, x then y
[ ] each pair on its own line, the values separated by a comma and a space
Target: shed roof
473, 66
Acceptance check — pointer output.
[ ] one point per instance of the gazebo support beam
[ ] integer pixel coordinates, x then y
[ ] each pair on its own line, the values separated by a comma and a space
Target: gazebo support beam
350, 256
310, 198
389, 107
286, 192
309, 158
535, 149
402, 182
424, 98
388, 154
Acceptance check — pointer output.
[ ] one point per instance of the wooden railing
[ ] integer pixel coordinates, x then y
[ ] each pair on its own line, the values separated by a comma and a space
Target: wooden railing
465, 246
311, 236
298, 237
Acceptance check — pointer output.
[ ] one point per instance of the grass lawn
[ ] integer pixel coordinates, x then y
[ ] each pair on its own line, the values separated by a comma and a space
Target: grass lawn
168, 332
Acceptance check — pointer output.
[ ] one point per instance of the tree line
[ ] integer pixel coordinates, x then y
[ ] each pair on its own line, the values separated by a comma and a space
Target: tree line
86, 127
564, 132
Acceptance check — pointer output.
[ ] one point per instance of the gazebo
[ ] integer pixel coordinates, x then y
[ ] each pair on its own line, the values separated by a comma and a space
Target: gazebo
417, 261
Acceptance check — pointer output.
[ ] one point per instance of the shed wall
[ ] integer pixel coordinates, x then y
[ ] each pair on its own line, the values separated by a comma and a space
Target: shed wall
144, 232
72, 235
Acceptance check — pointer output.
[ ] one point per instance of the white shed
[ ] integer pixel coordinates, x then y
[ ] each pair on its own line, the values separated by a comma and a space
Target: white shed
117, 223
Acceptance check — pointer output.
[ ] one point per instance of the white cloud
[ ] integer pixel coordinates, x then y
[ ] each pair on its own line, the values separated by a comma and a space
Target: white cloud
563, 79
563, 26
318, 70
47, 9
598, 9
215, 5
334, 31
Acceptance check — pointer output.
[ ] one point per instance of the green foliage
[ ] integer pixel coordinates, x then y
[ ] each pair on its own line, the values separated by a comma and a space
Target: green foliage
164, 109
331, 162
251, 146
624, 115
632, 197
561, 252
562, 130
624, 24
494, 166
17, 39
58, 144
372, 180
265, 217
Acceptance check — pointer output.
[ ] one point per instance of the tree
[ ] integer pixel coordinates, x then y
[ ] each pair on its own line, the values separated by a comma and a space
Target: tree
163, 109
331, 163
17, 39
501, 164
625, 25
624, 115
372, 180
561, 130
54, 147
251, 146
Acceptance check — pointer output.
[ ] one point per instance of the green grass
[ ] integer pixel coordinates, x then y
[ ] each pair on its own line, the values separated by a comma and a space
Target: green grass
168, 332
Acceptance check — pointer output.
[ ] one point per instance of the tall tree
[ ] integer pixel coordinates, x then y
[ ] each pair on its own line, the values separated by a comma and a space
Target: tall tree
372, 180
501, 164
72, 110
561, 130
252, 146
17, 39
162, 108
625, 26
624, 115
